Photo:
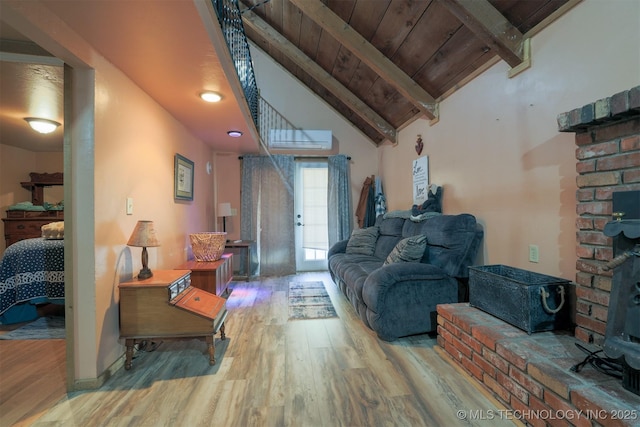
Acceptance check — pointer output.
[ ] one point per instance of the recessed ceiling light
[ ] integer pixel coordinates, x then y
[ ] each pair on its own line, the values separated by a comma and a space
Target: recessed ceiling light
234, 133
42, 125
211, 96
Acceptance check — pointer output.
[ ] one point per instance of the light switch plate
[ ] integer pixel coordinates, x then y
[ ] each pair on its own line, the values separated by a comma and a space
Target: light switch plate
129, 205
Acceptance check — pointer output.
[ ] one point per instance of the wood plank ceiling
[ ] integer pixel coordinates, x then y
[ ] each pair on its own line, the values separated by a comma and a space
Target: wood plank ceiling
384, 63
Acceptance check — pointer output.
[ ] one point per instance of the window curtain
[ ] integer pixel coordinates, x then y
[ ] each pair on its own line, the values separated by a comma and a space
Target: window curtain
339, 215
267, 211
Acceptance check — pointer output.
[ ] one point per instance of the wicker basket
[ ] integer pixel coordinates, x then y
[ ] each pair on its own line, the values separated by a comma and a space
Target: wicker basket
208, 246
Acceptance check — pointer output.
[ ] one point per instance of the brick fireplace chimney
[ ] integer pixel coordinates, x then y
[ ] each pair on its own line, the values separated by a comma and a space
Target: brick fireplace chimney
608, 160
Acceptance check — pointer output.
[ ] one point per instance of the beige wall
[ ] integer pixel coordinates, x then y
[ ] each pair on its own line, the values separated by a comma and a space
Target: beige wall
135, 144
496, 150
305, 110
132, 143
15, 166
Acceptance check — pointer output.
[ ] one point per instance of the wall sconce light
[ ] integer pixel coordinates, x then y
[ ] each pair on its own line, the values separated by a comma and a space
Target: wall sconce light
224, 210
210, 96
234, 133
42, 125
144, 236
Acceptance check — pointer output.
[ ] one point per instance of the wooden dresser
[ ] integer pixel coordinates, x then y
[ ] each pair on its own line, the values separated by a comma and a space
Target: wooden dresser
21, 224
166, 307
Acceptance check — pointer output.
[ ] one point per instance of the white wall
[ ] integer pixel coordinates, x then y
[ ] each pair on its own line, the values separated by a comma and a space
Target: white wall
497, 151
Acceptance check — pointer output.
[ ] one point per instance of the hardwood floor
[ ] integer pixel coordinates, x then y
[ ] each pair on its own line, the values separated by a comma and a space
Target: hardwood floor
32, 374
32, 379
270, 372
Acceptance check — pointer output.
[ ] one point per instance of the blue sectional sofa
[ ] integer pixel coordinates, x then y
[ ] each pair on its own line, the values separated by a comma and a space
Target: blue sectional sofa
397, 296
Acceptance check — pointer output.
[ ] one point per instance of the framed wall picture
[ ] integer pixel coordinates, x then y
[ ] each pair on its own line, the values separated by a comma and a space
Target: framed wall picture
183, 178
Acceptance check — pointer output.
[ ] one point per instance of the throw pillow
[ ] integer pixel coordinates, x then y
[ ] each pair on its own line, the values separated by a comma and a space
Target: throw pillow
363, 241
410, 249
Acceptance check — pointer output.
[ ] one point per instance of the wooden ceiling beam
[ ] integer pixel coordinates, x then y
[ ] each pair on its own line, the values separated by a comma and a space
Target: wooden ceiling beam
279, 42
368, 54
489, 25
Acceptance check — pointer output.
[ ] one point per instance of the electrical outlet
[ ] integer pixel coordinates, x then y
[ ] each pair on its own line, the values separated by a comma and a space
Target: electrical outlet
534, 255
129, 205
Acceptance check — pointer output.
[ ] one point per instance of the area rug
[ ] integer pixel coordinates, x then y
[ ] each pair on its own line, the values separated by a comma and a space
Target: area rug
43, 328
309, 300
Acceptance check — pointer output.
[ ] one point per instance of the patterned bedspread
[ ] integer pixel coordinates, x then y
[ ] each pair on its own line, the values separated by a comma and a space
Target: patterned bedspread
32, 270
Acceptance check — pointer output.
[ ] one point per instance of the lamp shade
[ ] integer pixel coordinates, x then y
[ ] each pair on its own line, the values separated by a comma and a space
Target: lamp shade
224, 209
144, 235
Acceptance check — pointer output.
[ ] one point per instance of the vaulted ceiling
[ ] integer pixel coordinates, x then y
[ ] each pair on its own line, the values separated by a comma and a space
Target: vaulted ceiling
385, 63
379, 63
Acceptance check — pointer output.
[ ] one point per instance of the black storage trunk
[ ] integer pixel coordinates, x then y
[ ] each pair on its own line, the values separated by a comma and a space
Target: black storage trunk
530, 301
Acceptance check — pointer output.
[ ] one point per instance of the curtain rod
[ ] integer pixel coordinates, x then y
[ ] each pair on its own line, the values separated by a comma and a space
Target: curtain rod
305, 157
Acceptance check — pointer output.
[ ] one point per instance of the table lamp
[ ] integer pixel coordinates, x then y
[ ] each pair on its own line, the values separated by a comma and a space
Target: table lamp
144, 236
224, 210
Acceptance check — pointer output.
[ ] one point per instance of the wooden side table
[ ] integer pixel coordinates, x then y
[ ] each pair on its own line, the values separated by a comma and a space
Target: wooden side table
246, 246
167, 307
213, 277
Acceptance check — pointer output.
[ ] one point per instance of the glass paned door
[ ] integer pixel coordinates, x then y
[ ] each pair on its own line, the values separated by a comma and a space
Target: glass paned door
311, 230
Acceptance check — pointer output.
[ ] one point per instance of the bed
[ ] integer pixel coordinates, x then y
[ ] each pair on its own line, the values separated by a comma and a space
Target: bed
31, 273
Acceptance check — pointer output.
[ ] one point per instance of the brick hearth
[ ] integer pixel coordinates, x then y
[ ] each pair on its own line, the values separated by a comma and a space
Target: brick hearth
530, 374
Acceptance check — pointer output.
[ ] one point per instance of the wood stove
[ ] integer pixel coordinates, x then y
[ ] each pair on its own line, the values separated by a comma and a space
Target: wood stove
622, 336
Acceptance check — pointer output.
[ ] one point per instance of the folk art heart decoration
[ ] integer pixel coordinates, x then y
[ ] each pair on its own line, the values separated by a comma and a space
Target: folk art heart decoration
419, 145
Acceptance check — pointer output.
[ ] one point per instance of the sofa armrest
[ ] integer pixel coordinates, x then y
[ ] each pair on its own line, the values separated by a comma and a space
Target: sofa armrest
406, 274
338, 248
401, 298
